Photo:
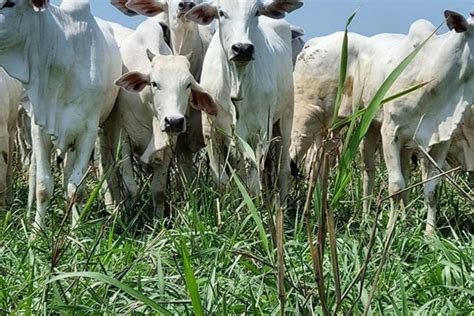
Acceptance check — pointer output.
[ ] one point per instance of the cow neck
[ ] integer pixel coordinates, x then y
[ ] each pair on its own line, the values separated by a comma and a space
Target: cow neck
44, 46
186, 41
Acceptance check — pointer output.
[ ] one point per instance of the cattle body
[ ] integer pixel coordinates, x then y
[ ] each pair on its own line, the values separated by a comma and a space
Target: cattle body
11, 93
186, 39
172, 88
248, 71
131, 121
316, 83
58, 53
426, 120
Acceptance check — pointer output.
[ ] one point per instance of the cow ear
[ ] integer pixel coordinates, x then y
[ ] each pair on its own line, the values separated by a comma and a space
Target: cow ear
150, 55
147, 8
133, 81
39, 4
201, 100
456, 21
121, 5
202, 14
296, 32
277, 9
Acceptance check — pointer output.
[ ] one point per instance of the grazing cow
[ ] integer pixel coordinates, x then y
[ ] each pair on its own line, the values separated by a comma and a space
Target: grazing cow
427, 119
316, 80
248, 71
67, 62
186, 39
172, 88
11, 93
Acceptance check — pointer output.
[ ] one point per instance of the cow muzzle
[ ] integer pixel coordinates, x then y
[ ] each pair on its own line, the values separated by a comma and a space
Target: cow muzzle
242, 52
174, 124
184, 7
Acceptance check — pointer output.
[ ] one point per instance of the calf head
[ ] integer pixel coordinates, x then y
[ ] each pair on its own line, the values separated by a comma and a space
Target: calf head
238, 19
173, 88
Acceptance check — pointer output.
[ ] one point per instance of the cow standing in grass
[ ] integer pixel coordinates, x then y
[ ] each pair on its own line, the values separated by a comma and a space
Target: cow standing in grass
67, 63
11, 93
248, 71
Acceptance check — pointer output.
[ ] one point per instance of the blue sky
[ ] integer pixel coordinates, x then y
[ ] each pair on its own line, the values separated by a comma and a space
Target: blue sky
321, 17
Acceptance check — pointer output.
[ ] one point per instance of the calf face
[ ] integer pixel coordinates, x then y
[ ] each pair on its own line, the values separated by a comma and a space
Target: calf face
173, 88
238, 20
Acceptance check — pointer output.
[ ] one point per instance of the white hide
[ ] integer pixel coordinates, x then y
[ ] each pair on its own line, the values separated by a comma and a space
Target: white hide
251, 97
11, 93
67, 62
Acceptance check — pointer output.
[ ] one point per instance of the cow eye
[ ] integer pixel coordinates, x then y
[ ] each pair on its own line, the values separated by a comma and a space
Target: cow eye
9, 4
221, 13
189, 86
154, 85
257, 13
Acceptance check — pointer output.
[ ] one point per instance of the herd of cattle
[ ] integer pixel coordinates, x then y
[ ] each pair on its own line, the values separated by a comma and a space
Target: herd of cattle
219, 75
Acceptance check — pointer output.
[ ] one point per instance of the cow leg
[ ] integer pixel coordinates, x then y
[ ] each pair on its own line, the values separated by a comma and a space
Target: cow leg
4, 166
286, 124
215, 150
80, 164
42, 147
159, 184
429, 170
186, 163
369, 149
31, 184
128, 178
396, 179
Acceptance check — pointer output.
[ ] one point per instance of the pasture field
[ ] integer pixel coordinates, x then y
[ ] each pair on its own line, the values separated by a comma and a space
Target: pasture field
215, 256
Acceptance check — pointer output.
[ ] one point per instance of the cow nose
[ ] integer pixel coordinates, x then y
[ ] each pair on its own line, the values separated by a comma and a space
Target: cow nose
243, 51
174, 125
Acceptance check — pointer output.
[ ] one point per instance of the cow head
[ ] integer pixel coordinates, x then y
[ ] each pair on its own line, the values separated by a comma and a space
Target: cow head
173, 88
238, 19
13, 20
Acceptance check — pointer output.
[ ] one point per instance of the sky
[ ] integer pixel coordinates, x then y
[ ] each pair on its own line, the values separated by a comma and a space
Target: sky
322, 17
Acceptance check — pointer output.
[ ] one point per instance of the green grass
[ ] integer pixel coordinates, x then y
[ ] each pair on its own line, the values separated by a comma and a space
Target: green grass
196, 265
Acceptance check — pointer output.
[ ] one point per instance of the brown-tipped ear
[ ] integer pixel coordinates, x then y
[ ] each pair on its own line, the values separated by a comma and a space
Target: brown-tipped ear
277, 9
202, 101
147, 8
133, 81
40, 4
121, 5
202, 14
456, 21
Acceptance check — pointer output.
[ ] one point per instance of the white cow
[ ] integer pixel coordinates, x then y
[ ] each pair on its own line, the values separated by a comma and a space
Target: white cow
427, 119
11, 93
186, 39
248, 71
132, 118
172, 88
67, 63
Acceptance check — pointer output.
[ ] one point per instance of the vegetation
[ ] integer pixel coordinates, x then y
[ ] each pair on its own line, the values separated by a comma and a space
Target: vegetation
225, 252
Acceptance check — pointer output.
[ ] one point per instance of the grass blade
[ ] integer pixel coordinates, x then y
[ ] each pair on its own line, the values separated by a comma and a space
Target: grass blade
191, 282
111, 281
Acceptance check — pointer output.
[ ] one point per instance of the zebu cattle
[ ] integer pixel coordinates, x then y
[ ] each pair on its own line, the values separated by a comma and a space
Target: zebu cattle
427, 119
11, 93
58, 53
172, 88
248, 72
186, 39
